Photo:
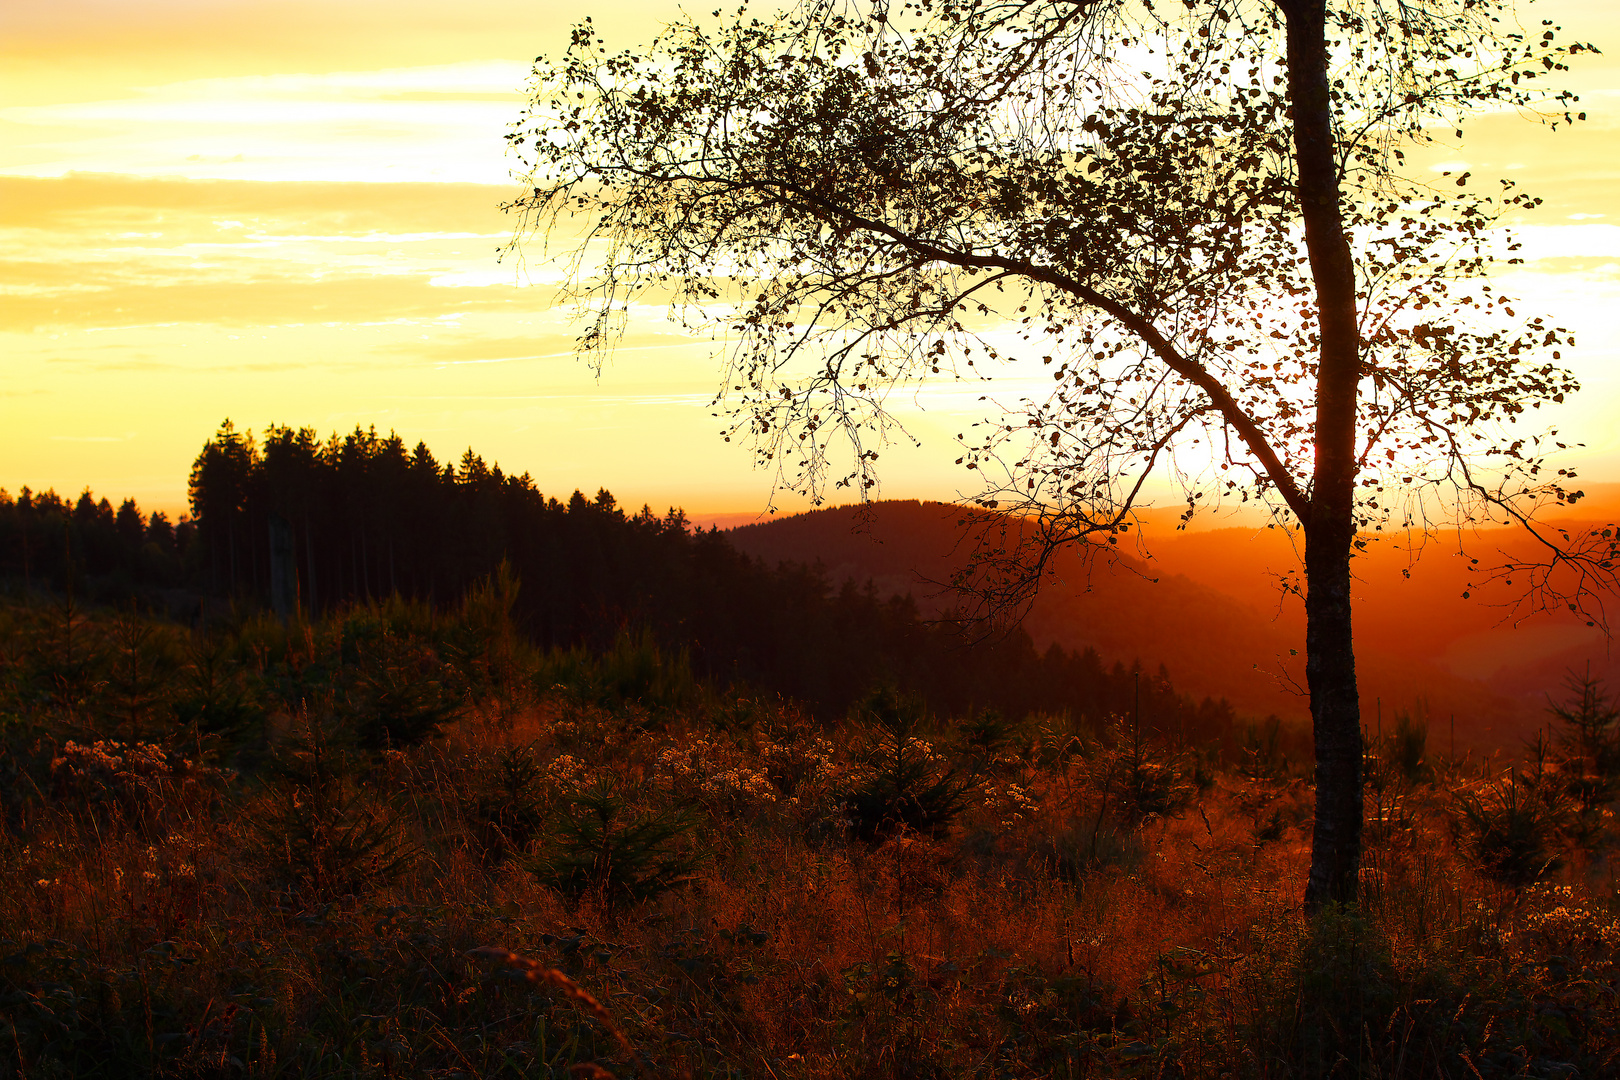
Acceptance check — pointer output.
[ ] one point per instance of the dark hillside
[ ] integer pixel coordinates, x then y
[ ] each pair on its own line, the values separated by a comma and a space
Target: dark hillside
1208, 611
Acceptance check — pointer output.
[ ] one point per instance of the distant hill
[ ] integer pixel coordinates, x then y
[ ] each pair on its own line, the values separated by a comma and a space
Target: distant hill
1417, 612
1208, 607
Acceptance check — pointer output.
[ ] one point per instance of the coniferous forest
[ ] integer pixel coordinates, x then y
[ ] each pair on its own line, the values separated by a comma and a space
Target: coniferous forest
361, 518
376, 766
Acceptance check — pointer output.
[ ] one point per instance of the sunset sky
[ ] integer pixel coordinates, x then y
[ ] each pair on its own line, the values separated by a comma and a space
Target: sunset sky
287, 212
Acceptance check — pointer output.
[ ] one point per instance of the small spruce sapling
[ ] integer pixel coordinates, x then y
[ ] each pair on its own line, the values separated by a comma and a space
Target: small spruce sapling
1510, 829
322, 836
1589, 742
598, 844
511, 814
902, 786
398, 697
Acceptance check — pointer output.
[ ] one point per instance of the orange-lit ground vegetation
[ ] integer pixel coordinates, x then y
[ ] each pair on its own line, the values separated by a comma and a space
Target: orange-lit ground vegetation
408, 843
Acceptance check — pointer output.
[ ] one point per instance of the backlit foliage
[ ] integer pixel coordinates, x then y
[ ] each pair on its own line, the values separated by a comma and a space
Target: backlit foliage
866, 197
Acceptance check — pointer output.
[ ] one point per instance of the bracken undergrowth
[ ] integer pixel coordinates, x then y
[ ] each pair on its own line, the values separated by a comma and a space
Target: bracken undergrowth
405, 843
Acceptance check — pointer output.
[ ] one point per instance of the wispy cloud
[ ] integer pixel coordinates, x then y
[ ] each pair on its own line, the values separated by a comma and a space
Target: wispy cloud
443, 123
99, 200
88, 251
263, 301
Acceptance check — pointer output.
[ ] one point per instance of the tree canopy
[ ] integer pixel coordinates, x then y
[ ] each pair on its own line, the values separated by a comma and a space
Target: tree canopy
868, 198
1195, 215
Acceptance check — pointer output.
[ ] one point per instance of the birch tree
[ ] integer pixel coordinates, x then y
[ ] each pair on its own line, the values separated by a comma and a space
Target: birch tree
1197, 216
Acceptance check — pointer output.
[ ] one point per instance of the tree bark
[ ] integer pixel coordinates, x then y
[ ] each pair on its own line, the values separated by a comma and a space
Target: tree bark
1330, 672
309, 560
1330, 666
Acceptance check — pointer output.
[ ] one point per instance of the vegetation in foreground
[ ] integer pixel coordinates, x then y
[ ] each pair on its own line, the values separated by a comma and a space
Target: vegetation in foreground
401, 842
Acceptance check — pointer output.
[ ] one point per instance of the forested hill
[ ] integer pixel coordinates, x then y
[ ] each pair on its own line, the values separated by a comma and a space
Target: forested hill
1213, 623
319, 524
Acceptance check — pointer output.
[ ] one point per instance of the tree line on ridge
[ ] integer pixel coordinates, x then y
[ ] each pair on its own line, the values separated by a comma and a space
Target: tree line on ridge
362, 517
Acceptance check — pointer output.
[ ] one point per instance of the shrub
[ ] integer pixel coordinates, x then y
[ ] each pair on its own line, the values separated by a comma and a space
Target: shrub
1560, 925
987, 731
1260, 755
508, 818
319, 835
636, 671
1346, 988
902, 783
599, 846
1510, 835
139, 665
140, 782
793, 752
1141, 778
717, 775
213, 695
398, 697
64, 658
485, 654
323, 843
1405, 749
1589, 741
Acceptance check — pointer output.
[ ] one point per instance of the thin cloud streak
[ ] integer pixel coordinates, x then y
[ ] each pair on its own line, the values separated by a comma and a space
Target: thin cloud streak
354, 126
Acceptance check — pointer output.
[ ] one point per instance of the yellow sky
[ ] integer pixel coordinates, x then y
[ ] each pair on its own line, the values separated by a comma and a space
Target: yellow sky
286, 212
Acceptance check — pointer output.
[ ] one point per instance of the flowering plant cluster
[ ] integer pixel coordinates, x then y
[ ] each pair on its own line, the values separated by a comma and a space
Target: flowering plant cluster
1009, 803
565, 772
139, 776
716, 774
1560, 924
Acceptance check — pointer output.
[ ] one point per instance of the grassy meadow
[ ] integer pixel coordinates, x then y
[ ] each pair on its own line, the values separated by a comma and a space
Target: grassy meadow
407, 842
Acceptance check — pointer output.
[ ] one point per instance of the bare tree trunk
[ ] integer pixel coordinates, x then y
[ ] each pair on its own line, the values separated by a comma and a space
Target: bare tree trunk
365, 561
1330, 672
1330, 666
309, 560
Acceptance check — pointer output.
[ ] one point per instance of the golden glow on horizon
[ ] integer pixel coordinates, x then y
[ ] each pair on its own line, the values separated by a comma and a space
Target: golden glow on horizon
288, 213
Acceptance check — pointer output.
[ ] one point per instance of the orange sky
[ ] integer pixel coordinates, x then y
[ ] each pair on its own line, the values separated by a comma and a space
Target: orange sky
286, 212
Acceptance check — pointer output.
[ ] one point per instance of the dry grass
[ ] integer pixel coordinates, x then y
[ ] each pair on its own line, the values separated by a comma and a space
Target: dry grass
158, 922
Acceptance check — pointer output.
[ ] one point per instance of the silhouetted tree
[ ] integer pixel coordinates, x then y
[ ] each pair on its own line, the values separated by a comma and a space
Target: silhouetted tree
130, 525
1192, 213
293, 484
160, 532
220, 483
